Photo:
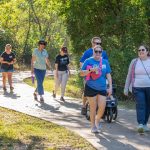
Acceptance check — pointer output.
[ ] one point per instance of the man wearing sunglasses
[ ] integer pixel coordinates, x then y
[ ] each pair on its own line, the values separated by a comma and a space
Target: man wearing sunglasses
87, 54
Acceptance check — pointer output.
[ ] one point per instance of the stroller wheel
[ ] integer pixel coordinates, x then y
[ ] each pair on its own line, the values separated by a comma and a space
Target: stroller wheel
109, 115
115, 113
87, 111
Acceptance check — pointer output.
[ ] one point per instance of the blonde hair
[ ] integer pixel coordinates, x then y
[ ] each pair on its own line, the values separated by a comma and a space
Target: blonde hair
95, 38
97, 46
8, 45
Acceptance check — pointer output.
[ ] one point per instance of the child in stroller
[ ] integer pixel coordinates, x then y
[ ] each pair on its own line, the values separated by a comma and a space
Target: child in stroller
111, 110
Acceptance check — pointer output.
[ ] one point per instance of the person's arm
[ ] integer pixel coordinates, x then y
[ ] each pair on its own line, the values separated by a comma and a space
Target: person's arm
84, 57
3, 62
48, 63
109, 79
56, 70
84, 72
2, 59
128, 78
81, 64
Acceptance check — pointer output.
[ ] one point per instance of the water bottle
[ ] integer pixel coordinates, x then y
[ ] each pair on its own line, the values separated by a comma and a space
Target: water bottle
32, 77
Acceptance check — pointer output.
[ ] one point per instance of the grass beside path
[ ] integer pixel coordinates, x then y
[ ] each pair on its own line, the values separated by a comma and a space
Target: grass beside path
73, 90
19, 131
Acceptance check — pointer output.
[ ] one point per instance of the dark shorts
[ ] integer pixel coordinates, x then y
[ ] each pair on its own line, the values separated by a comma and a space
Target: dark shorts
5, 70
89, 92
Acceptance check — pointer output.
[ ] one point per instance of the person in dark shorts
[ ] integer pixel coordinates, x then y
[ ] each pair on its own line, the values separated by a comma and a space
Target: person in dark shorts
87, 54
62, 72
96, 69
7, 60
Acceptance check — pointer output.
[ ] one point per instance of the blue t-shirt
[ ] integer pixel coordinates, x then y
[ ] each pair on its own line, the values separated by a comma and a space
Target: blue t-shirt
89, 53
100, 83
40, 62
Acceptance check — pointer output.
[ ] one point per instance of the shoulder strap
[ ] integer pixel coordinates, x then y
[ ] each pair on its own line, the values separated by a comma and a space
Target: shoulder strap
145, 69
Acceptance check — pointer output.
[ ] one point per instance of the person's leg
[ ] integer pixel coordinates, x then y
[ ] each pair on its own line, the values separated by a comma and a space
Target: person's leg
10, 79
101, 108
40, 74
63, 83
93, 105
139, 94
84, 100
4, 76
57, 80
147, 93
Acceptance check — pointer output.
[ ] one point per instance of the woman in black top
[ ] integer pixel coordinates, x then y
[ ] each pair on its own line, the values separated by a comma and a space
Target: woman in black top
61, 71
7, 60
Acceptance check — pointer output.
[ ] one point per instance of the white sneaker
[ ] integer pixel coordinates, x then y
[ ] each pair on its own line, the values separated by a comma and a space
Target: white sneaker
140, 128
94, 130
146, 128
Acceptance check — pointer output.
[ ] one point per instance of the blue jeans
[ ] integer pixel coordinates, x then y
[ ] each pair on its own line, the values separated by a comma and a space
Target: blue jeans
142, 97
39, 74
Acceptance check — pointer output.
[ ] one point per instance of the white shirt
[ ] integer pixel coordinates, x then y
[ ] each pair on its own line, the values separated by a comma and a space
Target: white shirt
141, 77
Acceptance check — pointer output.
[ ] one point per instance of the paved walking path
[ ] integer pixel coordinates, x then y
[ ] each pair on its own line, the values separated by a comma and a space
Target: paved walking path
119, 135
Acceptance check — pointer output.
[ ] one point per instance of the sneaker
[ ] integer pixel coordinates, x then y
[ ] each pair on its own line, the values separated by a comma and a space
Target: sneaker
35, 96
54, 95
62, 99
94, 130
146, 128
4, 88
11, 89
99, 126
83, 111
41, 99
140, 128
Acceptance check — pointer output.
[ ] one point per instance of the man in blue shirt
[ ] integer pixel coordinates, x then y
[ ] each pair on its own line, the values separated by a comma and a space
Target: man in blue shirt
87, 54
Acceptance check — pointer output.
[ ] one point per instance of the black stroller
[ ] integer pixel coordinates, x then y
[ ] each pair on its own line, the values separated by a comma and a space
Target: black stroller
111, 110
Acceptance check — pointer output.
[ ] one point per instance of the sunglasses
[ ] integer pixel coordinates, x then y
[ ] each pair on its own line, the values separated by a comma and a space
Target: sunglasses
97, 43
98, 52
141, 50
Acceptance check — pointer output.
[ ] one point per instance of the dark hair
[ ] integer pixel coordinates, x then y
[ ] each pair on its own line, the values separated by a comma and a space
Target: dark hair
64, 49
42, 42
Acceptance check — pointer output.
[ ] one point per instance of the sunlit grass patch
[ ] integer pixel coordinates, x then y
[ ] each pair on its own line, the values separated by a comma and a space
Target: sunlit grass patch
26, 132
72, 88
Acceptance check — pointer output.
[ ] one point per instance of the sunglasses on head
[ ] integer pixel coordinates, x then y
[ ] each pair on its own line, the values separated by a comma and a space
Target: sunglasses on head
98, 52
141, 50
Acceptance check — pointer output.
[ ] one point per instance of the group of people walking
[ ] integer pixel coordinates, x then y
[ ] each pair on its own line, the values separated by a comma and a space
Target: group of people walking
96, 70
38, 67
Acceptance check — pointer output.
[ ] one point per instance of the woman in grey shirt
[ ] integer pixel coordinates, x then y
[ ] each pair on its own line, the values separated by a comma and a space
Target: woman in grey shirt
138, 81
